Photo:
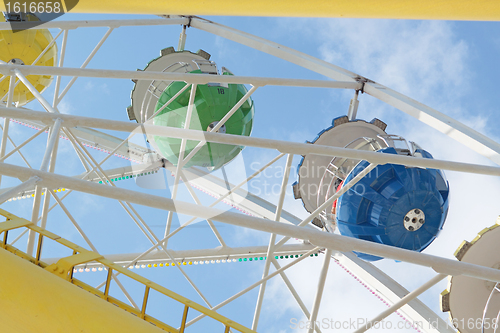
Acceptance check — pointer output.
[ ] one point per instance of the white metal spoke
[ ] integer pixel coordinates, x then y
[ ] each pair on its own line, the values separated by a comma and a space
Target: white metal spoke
216, 253
188, 278
95, 167
142, 225
294, 293
5, 129
221, 122
61, 62
169, 101
282, 146
321, 287
7, 94
458, 131
50, 151
228, 193
10, 94
85, 63
34, 91
414, 294
222, 197
329, 202
89, 243
390, 290
128, 260
439, 121
94, 162
16, 149
353, 107
198, 202
171, 258
244, 291
106, 180
188, 78
52, 42
322, 239
180, 159
46, 199
299, 58
53, 138
182, 39
39, 219
34, 219
18, 189
24, 143
98, 23
116, 148
270, 251
262, 215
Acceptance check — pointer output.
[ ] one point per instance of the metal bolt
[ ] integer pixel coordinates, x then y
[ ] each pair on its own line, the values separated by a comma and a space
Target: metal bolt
407, 218
417, 211
410, 228
421, 221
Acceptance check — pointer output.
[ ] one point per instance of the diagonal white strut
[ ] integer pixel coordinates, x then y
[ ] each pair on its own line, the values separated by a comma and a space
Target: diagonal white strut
316, 237
319, 291
476, 141
18, 189
270, 250
282, 146
384, 314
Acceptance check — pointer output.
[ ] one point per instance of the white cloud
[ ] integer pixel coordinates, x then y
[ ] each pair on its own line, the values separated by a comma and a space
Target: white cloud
411, 57
89, 85
65, 107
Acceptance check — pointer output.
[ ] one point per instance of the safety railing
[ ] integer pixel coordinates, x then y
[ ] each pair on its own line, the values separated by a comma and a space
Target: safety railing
64, 268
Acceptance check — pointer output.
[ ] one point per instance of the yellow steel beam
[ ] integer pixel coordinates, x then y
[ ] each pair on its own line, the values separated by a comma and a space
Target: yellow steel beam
13, 224
63, 268
34, 300
480, 10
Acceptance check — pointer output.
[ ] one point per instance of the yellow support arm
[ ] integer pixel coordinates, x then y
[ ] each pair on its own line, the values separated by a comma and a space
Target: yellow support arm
34, 300
15, 276
478, 10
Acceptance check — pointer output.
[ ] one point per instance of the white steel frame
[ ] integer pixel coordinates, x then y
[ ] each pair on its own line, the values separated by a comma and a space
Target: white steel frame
75, 128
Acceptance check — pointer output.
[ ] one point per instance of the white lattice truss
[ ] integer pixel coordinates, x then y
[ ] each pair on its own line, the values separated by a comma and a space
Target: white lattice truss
266, 217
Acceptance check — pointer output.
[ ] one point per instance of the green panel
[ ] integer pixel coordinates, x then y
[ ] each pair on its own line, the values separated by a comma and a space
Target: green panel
212, 103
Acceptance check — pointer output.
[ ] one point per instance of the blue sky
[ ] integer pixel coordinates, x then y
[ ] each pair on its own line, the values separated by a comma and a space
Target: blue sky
450, 66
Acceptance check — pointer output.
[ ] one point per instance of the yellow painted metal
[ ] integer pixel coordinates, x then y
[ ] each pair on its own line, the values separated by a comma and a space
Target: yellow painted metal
479, 10
184, 318
33, 300
64, 267
24, 47
13, 224
444, 301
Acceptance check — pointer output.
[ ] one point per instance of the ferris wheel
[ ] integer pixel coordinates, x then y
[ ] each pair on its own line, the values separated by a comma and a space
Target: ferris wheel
177, 160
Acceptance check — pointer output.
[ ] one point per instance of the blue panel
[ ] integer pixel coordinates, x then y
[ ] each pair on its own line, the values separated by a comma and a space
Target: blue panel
374, 209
